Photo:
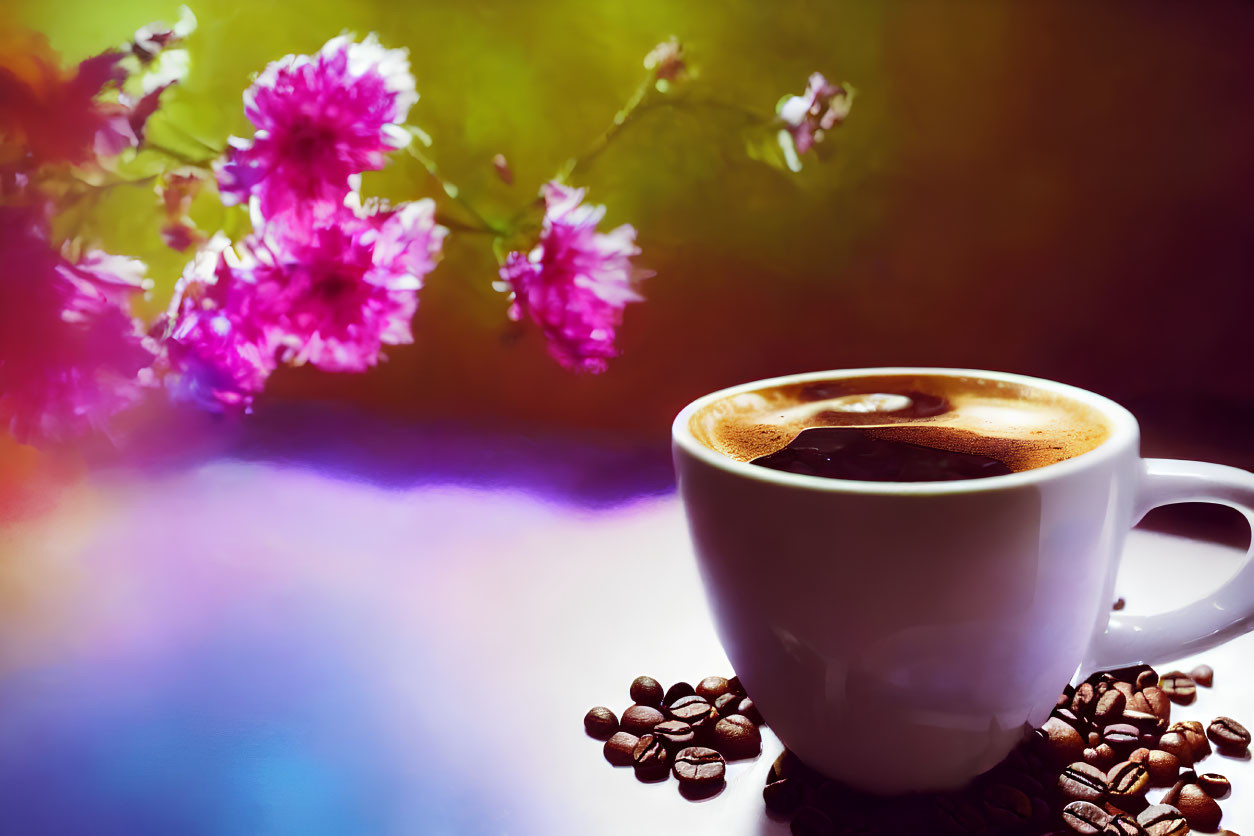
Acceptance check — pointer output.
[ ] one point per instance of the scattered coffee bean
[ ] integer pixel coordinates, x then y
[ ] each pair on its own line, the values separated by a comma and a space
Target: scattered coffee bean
639, 719
811, 821
1194, 734
1216, 785
645, 690
749, 708
1085, 817
1082, 782
782, 797
1144, 721
726, 703
1122, 737
698, 768
1119, 604
675, 734
696, 711
734, 686
1094, 738
712, 687
1157, 702
1146, 678
618, 748
1123, 825
1163, 767
1198, 808
1110, 707
1006, 806
676, 691
1127, 779
1176, 744
1203, 675
1178, 687
1084, 701
737, 737
1229, 736
651, 759
600, 722
1162, 820
1059, 743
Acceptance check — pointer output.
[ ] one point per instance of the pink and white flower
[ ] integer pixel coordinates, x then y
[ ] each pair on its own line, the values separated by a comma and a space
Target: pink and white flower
576, 281
319, 119
807, 117
71, 355
351, 285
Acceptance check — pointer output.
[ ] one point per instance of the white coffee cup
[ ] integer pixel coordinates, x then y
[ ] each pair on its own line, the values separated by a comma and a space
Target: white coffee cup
905, 635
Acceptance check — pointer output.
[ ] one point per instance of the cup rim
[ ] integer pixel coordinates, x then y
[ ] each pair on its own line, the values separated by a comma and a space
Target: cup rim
1124, 432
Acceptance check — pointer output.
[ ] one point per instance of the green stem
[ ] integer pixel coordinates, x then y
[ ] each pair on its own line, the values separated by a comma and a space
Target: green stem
453, 192
621, 120
177, 155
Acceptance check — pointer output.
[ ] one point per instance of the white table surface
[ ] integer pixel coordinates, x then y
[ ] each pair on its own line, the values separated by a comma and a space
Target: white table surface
243, 647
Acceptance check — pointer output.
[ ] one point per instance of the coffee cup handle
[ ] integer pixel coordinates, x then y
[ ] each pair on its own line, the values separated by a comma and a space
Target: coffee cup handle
1222, 615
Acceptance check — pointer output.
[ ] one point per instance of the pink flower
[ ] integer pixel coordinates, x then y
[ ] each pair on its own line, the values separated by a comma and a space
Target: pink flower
319, 119
822, 107
351, 285
219, 342
576, 281
71, 356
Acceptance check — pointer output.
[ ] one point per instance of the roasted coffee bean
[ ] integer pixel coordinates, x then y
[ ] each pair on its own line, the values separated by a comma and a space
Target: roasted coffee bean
1216, 785
734, 686
1143, 720
1203, 675
1127, 779
675, 734
639, 719
712, 687
1198, 808
1122, 737
699, 767
1102, 756
782, 797
1162, 820
811, 821
1082, 782
1119, 604
1085, 817
1139, 755
618, 748
1126, 688
645, 690
695, 711
677, 691
1163, 767
1229, 736
1006, 806
1110, 707
788, 765
726, 704
1084, 701
1137, 702
1176, 744
1123, 825
650, 758
1059, 743
1094, 738
1178, 687
1158, 702
1173, 795
1072, 719
1146, 678
1194, 734
600, 722
737, 737
749, 708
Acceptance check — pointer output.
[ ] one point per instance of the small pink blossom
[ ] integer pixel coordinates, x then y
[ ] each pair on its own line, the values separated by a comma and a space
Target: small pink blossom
350, 286
823, 106
319, 119
71, 356
219, 343
575, 283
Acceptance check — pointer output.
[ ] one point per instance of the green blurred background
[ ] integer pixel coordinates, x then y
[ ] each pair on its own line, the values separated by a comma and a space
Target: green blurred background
1055, 188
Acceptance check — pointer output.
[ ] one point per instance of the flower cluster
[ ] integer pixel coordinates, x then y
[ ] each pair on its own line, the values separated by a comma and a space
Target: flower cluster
325, 277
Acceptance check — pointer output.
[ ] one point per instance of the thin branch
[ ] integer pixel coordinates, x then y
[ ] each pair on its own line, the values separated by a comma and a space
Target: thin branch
452, 191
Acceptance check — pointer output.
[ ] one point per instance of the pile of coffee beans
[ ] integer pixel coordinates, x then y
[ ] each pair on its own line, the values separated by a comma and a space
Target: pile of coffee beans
1086, 771
683, 731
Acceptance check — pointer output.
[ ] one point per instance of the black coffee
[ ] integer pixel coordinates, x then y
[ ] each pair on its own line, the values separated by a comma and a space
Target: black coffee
900, 428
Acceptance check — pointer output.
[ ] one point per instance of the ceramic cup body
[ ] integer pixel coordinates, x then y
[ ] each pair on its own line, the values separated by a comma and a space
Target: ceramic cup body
905, 636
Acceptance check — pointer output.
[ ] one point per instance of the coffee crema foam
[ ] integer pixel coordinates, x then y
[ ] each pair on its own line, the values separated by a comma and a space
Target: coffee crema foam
1023, 427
